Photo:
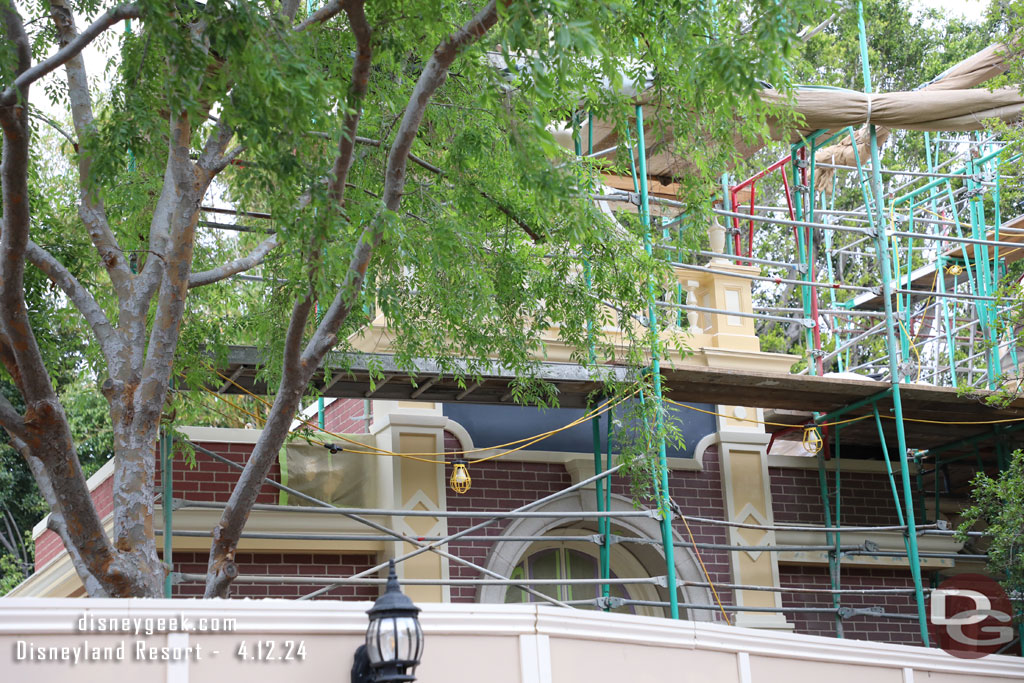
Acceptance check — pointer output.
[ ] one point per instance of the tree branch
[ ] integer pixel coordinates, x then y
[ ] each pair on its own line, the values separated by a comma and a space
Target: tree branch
99, 552
179, 202
90, 207
12, 538
524, 226
30, 372
229, 157
360, 78
53, 124
321, 15
433, 77
293, 338
289, 9
14, 30
68, 51
296, 376
214, 158
10, 419
239, 265
76, 293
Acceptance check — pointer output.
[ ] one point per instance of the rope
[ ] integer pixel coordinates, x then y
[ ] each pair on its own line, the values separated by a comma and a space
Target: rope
704, 569
367, 449
762, 422
532, 439
520, 444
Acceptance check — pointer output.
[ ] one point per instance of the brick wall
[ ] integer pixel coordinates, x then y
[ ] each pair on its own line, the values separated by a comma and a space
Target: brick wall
496, 486
282, 564
866, 497
346, 416
49, 544
208, 481
211, 480
878, 629
503, 485
866, 501
700, 494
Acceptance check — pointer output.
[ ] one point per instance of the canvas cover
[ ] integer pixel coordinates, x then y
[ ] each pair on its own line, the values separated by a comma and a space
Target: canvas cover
343, 479
950, 102
946, 103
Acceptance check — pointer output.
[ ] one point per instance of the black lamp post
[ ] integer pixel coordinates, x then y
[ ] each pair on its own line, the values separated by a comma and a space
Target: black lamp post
394, 640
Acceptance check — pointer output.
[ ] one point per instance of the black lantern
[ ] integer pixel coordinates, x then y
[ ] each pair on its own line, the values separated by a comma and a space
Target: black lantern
394, 640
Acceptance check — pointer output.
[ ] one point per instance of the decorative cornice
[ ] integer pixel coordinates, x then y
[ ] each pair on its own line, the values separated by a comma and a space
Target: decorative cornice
811, 463
738, 436
221, 434
408, 418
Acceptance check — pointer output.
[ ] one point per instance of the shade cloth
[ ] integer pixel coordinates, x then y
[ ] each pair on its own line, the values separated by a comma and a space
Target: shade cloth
343, 479
950, 102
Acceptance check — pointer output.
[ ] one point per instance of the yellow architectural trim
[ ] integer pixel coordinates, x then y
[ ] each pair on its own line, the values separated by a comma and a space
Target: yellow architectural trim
888, 541
811, 463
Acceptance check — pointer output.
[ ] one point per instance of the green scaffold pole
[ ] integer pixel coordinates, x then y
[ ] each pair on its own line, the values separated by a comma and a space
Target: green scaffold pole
603, 524
652, 315
882, 247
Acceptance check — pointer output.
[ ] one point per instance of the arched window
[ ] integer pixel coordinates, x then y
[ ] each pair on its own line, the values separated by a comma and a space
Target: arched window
568, 560
523, 558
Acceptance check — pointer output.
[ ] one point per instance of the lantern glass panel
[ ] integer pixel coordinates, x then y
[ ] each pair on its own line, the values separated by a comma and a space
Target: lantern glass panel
375, 641
406, 638
419, 640
384, 647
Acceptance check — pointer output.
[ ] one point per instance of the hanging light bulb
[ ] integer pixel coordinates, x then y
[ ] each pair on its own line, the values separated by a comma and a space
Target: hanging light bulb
812, 440
460, 481
955, 269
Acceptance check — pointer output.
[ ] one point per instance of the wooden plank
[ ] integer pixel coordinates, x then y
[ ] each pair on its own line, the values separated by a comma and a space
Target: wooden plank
684, 384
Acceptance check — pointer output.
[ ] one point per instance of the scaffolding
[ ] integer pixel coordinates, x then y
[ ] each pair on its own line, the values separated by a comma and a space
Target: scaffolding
928, 243
534, 586
932, 251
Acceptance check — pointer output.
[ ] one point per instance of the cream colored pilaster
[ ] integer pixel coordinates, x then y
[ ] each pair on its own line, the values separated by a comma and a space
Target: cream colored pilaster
731, 342
415, 485
747, 499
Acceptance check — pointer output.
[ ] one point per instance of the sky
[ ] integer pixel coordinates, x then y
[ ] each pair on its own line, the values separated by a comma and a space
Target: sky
972, 9
96, 59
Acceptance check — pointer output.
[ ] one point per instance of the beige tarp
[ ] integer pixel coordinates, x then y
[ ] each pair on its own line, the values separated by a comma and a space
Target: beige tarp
343, 479
947, 103
932, 110
950, 102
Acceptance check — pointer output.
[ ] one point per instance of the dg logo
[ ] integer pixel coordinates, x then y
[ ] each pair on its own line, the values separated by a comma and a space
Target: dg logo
970, 616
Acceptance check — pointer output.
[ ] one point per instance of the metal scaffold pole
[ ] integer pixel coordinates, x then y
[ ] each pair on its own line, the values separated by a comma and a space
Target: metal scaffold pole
652, 314
603, 524
882, 248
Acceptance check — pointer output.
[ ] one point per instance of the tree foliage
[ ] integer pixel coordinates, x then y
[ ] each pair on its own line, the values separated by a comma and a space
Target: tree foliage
998, 510
404, 152
907, 48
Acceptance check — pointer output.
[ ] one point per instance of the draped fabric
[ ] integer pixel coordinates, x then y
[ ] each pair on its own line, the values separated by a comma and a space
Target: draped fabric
950, 102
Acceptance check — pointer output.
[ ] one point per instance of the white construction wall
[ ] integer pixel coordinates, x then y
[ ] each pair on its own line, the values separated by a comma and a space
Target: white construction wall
217, 641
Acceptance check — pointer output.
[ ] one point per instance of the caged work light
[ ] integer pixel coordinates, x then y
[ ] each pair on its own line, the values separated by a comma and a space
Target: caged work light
812, 441
394, 639
460, 481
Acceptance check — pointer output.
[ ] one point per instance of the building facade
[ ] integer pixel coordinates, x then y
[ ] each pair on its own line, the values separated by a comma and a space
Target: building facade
749, 513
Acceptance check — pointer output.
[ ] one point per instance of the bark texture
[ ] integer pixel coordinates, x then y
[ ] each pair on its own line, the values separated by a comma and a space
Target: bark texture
139, 344
299, 362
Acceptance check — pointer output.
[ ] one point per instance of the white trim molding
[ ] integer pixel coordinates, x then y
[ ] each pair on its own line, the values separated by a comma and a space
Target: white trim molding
542, 634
